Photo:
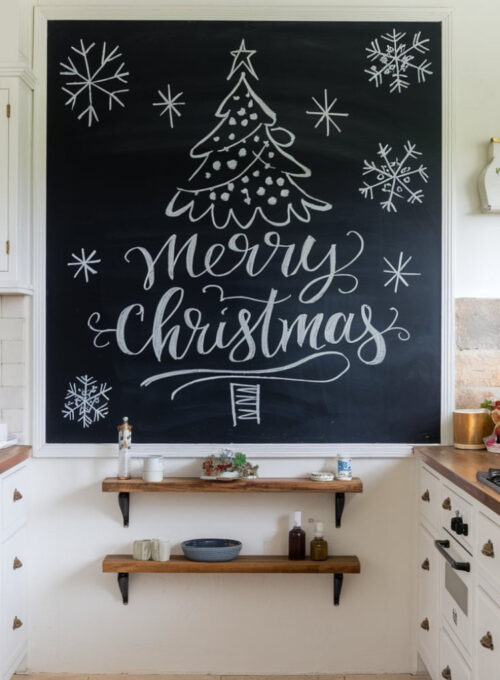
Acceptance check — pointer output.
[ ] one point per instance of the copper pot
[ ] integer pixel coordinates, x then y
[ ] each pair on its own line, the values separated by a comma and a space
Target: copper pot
470, 426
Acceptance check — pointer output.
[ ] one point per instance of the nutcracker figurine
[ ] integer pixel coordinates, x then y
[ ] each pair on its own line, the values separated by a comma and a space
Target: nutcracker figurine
124, 446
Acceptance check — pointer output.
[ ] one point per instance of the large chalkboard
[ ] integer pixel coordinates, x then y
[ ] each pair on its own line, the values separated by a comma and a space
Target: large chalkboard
243, 231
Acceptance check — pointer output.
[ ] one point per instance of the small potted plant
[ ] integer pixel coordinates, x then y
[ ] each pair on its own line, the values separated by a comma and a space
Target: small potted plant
471, 427
227, 466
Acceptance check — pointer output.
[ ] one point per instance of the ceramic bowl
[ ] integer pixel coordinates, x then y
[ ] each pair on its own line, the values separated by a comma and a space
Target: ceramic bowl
211, 549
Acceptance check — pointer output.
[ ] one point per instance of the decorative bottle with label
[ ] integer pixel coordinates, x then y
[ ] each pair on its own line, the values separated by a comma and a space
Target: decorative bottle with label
319, 547
124, 446
297, 539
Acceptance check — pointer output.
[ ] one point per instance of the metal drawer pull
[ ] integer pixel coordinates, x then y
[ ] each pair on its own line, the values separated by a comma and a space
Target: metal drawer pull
17, 623
487, 641
446, 504
459, 566
425, 624
446, 673
426, 496
17, 495
487, 549
17, 563
425, 565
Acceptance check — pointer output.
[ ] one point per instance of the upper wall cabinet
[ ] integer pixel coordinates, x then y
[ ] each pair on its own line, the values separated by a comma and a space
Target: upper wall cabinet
15, 184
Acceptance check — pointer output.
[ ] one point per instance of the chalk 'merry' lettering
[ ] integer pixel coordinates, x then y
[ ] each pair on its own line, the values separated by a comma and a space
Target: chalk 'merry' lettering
247, 327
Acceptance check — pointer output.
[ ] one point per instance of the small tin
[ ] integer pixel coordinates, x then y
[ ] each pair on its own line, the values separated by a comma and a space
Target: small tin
344, 468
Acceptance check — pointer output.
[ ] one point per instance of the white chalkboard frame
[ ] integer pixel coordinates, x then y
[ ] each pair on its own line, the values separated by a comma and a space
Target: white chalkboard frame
228, 11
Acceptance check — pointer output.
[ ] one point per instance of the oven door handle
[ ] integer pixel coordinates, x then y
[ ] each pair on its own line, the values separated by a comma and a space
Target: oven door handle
459, 566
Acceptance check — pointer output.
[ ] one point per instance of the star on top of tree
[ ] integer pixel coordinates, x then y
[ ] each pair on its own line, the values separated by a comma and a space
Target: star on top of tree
241, 59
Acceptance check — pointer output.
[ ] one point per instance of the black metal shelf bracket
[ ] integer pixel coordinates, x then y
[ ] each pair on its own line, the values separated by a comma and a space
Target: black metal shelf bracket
339, 507
338, 579
124, 503
122, 577
123, 586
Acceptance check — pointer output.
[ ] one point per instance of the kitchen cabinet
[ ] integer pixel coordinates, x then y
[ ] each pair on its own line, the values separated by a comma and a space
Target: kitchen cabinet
15, 184
458, 567
13, 565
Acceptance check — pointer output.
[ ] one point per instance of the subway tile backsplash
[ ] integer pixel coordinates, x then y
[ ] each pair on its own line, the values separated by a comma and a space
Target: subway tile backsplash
15, 315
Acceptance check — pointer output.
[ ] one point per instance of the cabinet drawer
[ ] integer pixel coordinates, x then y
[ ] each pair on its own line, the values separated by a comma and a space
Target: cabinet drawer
14, 490
14, 571
454, 506
488, 547
488, 636
429, 496
451, 663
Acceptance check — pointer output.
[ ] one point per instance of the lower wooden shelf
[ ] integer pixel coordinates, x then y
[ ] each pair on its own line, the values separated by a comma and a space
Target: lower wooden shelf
123, 565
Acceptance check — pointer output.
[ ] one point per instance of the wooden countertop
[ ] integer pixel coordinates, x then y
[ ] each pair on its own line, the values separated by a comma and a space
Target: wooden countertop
460, 467
13, 456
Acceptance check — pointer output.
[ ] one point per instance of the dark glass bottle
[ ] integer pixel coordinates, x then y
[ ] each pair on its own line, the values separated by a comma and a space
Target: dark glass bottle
297, 540
319, 547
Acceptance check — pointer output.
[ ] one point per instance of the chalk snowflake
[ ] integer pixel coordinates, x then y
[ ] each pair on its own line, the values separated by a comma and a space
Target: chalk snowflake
397, 60
169, 104
84, 264
398, 272
86, 400
94, 79
326, 113
394, 177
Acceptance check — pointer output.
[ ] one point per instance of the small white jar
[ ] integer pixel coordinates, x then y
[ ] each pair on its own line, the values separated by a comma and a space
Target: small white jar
153, 469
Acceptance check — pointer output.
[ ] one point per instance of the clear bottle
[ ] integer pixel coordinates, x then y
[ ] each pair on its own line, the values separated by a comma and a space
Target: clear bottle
319, 547
297, 539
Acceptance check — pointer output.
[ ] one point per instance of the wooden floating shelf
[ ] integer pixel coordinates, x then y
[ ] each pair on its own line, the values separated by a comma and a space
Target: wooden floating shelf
123, 565
261, 484
124, 487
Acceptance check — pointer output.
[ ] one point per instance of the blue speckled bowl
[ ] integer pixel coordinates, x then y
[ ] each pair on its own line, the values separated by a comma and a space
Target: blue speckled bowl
211, 549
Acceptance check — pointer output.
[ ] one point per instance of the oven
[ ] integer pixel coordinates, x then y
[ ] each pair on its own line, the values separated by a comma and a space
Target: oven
456, 582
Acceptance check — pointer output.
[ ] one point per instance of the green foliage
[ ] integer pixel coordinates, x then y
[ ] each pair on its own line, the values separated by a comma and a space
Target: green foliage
239, 460
487, 403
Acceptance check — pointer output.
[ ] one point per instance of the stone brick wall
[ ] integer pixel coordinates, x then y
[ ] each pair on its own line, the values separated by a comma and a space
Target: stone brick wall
14, 364
477, 360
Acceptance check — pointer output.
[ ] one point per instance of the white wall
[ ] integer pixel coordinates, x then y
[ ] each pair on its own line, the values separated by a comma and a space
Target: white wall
235, 623
241, 623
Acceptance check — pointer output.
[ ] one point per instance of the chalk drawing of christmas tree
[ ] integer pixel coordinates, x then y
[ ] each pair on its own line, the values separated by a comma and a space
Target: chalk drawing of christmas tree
244, 170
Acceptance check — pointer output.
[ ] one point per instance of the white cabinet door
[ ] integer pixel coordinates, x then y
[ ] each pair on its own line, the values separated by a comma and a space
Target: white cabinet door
452, 665
488, 547
428, 600
4, 178
429, 497
488, 636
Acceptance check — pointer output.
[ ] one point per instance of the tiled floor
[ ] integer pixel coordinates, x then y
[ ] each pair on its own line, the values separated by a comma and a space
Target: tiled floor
68, 676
